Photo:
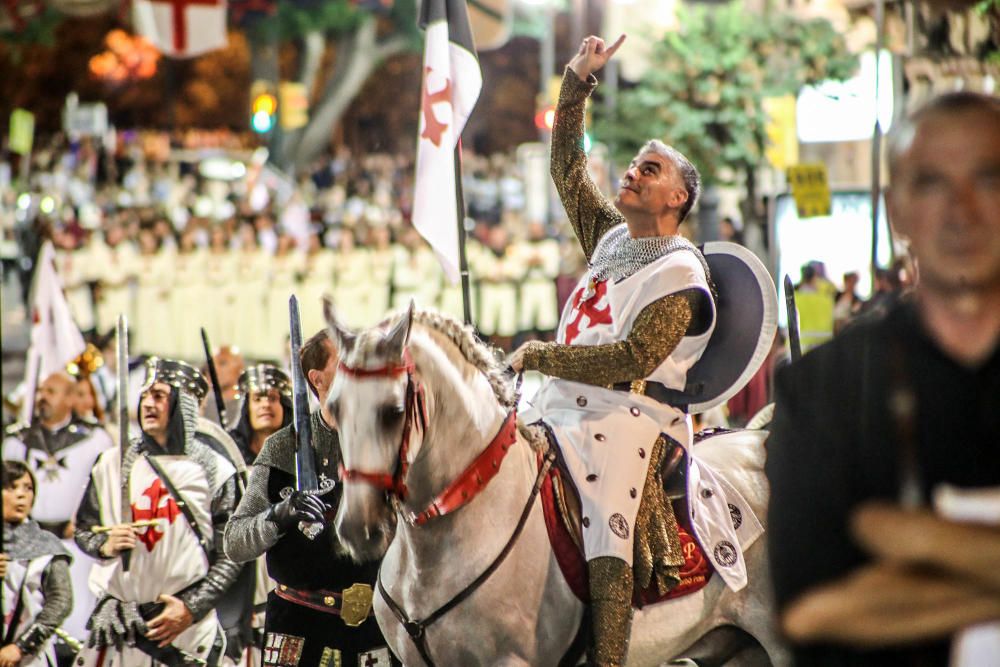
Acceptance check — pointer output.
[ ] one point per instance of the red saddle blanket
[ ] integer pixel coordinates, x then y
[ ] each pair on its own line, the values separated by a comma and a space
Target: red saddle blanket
694, 574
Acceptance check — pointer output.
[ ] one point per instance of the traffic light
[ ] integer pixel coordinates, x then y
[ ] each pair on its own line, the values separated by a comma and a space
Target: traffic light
263, 107
545, 117
294, 102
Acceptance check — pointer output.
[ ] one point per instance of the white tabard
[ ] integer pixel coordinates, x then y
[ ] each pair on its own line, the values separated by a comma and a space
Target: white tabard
24, 577
168, 557
606, 436
62, 481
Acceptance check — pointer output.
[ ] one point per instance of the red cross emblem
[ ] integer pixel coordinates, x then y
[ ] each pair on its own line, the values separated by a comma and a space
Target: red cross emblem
433, 128
178, 9
161, 506
589, 309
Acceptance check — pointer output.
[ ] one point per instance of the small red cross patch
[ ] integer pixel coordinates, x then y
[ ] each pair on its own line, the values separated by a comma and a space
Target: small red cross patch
433, 128
589, 308
161, 506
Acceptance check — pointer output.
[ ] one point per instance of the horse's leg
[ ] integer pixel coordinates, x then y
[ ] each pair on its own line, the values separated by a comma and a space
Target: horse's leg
725, 645
757, 611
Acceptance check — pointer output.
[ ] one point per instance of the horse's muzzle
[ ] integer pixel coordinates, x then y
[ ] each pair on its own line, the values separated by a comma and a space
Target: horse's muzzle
364, 526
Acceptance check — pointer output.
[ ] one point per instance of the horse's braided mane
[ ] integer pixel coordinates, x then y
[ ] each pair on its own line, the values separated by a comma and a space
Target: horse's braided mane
482, 356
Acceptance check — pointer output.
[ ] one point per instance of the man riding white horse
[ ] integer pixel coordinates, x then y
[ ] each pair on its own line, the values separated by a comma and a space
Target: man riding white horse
618, 400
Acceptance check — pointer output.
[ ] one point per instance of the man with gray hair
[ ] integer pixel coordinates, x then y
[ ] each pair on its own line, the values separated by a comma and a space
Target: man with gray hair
883, 457
639, 319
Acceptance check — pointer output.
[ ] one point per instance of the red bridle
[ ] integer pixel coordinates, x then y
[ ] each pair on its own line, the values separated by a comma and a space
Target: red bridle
467, 485
414, 410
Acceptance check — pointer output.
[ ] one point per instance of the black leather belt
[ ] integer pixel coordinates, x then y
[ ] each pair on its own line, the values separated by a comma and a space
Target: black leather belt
353, 604
656, 391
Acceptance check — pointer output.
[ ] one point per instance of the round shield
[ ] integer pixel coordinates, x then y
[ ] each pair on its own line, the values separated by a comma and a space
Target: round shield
491, 22
745, 321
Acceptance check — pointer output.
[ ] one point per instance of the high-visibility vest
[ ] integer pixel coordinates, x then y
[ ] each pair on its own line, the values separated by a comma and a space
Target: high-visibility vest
815, 317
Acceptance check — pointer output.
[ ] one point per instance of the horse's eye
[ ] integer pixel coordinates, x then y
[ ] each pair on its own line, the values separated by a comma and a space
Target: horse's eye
390, 415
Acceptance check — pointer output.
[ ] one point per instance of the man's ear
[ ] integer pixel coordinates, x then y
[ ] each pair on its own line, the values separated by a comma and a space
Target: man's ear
678, 197
896, 222
316, 380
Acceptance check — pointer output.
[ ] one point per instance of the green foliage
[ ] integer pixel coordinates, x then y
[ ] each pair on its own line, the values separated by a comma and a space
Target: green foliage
704, 90
336, 17
40, 30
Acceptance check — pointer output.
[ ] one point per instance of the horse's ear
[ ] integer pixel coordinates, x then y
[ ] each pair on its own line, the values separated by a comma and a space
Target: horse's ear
343, 338
397, 338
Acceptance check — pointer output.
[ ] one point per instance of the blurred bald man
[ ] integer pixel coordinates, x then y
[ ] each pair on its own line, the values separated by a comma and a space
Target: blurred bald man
60, 449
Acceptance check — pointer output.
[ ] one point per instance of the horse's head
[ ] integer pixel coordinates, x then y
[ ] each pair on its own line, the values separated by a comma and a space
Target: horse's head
375, 402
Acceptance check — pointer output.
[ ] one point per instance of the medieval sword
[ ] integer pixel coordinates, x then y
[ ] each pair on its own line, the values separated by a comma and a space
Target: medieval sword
123, 443
794, 343
306, 480
220, 405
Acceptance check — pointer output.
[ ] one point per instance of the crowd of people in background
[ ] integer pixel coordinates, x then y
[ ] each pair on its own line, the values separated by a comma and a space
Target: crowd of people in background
177, 251
826, 310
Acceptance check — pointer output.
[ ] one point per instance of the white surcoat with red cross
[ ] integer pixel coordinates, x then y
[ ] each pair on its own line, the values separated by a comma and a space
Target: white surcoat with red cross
605, 435
168, 556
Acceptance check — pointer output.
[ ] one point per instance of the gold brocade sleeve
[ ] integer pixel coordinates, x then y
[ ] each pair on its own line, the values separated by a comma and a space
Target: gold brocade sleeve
656, 332
586, 207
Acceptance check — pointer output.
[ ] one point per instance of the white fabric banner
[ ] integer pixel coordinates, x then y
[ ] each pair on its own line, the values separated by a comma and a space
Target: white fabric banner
182, 28
451, 84
55, 338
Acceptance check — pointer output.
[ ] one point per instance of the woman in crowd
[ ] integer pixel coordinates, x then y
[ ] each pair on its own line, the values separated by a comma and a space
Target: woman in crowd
37, 594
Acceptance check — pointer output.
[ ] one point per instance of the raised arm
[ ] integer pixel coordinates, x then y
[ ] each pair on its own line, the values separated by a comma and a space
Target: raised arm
590, 213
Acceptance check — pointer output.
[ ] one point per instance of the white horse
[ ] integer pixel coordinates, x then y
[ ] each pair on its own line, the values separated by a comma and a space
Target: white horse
416, 402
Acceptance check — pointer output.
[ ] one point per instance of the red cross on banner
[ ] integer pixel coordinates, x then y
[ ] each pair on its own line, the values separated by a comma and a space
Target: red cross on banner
433, 128
588, 308
178, 8
182, 28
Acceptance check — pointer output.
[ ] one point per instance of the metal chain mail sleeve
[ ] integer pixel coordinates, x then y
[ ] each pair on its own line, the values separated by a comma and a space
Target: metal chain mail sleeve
58, 595
656, 332
249, 533
590, 213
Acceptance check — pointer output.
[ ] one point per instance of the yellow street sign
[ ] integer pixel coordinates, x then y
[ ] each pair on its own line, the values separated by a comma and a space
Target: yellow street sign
22, 131
782, 141
294, 102
810, 189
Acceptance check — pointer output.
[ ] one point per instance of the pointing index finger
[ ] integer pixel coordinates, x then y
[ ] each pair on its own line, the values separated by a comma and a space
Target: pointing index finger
610, 51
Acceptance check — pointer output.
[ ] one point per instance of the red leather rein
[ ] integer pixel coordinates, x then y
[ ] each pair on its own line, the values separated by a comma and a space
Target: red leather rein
462, 489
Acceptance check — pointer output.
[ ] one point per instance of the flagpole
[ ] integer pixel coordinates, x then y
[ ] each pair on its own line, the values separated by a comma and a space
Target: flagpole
463, 262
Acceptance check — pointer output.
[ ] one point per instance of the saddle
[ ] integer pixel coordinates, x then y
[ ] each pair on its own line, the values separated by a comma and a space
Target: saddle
562, 509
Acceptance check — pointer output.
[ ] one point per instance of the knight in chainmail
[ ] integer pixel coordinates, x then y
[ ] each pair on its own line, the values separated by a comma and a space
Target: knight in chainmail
320, 612
37, 593
616, 395
165, 570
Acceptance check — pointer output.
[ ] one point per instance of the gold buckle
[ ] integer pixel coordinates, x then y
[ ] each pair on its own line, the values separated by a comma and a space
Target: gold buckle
638, 387
357, 604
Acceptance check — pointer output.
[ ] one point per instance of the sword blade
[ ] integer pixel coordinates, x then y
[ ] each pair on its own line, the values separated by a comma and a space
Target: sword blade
220, 404
123, 441
305, 464
794, 342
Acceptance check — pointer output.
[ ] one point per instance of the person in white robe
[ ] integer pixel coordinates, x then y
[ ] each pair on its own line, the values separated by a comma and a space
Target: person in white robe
60, 450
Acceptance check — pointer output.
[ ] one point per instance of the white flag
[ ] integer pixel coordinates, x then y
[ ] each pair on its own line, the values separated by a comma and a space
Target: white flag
182, 28
451, 84
55, 338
